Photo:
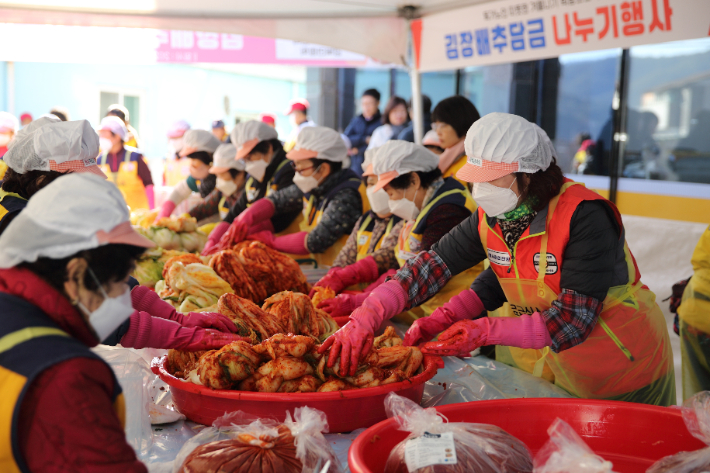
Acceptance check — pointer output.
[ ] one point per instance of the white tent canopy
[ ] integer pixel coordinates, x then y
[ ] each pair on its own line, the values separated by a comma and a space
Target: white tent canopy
375, 28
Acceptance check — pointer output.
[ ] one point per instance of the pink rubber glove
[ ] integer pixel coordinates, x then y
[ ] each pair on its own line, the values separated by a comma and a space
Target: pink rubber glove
465, 305
342, 305
166, 209
364, 270
213, 240
262, 209
526, 331
353, 341
322, 282
150, 195
145, 300
295, 243
153, 332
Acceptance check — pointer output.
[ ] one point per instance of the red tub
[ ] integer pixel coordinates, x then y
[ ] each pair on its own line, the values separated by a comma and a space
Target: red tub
631, 436
346, 410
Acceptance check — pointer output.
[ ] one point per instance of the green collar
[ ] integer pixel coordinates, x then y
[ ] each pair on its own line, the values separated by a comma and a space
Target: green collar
521, 211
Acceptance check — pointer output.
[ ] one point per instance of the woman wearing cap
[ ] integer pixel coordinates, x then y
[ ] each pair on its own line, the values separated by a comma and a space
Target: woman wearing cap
451, 119
394, 120
369, 253
33, 164
125, 167
331, 198
177, 169
198, 147
268, 171
62, 290
118, 110
430, 205
231, 178
576, 302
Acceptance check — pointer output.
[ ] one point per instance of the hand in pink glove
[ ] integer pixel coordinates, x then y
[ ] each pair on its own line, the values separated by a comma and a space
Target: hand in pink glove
364, 270
153, 332
526, 331
465, 305
323, 282
339, 306
166, 209
352, 342
460, 339
145, 300
266, 237
213, 240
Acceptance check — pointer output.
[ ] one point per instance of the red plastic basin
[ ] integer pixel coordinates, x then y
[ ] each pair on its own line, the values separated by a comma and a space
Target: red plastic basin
632, 436
346, 410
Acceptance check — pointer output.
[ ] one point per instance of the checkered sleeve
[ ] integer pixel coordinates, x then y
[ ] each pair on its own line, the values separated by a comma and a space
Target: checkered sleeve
571, 319
422, 277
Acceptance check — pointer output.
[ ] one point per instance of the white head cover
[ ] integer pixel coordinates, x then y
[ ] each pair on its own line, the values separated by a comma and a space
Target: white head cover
8, 123
75, 212
397, 157
248, 134
199, 140
499, 144
319, 142
224, 159
48, 144
367, 166
115, 125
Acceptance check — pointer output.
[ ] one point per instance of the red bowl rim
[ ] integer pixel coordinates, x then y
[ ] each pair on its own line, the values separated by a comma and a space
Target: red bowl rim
360, 443
430, 363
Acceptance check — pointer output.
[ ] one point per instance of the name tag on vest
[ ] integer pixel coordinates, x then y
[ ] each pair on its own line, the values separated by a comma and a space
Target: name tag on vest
551, 263
498, 257
363, 239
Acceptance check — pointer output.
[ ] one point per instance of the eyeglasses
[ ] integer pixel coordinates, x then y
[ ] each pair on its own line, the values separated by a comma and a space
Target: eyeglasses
436, 126
300, 171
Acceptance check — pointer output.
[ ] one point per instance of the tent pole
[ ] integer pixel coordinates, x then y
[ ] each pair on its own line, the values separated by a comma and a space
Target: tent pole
415, 79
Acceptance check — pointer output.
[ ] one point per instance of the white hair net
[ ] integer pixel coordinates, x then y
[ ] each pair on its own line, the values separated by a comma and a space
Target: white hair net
200, 140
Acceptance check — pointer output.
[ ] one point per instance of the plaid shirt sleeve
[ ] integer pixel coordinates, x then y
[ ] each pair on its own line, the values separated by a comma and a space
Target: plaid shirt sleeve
571, 319
208, 207
422, 277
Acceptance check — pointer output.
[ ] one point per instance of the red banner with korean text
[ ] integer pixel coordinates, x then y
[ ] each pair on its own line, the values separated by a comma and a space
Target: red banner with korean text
515, 30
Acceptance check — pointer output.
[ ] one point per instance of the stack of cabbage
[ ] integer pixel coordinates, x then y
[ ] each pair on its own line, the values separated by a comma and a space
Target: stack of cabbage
175, 233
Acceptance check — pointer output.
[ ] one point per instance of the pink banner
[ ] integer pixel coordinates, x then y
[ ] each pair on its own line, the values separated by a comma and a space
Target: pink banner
194, 46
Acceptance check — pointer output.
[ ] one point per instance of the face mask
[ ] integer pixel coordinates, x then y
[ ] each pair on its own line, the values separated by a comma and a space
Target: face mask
174, 145
306, 183
5, 139
112, 312
404, 208
494, 200
379, 201
226, 187
105, 144
257, 169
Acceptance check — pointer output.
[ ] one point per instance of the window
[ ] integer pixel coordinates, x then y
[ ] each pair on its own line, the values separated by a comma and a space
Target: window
129, 100
584, 125
488, 87
668, 115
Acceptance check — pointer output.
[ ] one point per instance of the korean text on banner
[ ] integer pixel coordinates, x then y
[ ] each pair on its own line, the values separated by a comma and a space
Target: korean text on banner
515, 30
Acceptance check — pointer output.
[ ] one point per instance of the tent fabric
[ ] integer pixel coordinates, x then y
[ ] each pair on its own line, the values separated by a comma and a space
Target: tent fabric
373, 28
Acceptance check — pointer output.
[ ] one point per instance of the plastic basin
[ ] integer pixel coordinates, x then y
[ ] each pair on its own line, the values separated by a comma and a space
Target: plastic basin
632, 436
346, 410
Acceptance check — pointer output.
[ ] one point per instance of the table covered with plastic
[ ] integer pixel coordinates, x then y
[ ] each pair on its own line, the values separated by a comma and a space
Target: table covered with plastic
157, 432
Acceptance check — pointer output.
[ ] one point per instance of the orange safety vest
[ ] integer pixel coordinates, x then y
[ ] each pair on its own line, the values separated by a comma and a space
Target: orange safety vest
127, 180
627, 356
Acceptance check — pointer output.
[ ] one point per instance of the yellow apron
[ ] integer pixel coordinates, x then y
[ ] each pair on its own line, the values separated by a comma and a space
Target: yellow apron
127, 181
626, 357
458, 283
364, 236
176, 171
223, 209
3, 169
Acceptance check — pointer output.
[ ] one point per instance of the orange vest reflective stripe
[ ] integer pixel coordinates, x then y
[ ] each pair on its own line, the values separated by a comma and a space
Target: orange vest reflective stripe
628, 349
127, 180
